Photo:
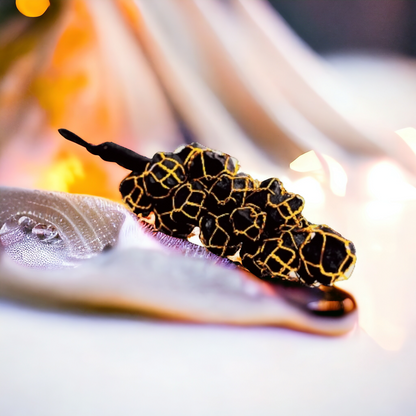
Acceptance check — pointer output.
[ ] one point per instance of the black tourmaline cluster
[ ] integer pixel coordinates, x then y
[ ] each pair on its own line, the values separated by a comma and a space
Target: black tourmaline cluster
199, 187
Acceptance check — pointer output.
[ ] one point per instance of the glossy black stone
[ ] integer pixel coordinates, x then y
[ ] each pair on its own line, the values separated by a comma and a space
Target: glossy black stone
188, 203
248, 222
132, 188
229, 192
197, 186
163, 175
217, 234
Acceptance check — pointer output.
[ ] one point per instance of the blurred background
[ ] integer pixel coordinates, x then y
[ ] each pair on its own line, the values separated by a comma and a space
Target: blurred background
232, 75
319, 93
384, 26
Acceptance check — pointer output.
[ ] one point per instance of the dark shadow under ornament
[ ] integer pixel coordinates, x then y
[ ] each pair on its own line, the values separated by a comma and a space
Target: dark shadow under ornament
199, 187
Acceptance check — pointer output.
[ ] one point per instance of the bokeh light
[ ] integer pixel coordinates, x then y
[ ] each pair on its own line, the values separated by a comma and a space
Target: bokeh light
32, 8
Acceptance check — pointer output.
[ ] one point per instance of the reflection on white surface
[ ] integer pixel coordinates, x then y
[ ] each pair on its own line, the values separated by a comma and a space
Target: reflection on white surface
386, 182
310, 189
388, 330
324, 168
307, 162
408, 134
389, 336
383, 210
337, 176
379, 218
385, 281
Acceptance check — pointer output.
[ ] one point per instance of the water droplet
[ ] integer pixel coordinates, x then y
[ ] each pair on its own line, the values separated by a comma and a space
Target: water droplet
26, 224
45, 233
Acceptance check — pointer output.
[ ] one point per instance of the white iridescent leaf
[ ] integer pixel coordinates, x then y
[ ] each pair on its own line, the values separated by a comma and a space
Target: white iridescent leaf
82, 251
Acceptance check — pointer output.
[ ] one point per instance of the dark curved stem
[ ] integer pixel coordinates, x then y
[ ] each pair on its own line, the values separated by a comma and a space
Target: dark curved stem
110, 152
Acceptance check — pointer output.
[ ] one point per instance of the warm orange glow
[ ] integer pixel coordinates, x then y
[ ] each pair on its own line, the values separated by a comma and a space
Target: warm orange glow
55, 95
81, 175
62, 173
130, 12
98, 179
72, 87
32, 8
